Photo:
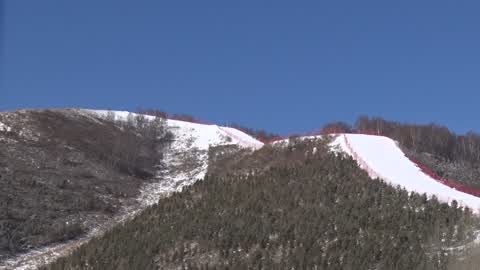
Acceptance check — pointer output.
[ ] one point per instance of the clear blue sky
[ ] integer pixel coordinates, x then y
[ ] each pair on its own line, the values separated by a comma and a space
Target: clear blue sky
285, 66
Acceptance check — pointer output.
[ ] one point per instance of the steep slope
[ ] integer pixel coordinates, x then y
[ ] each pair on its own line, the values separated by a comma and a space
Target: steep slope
295, 208
187, 159
381, 157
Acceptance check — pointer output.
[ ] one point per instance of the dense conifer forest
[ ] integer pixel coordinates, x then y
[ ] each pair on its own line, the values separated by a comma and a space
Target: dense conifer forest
310, 209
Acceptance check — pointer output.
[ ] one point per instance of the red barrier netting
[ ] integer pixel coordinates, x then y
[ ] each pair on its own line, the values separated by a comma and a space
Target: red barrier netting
425, 170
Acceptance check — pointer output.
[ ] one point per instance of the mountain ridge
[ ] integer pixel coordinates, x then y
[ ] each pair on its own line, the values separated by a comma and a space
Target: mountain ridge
193, 142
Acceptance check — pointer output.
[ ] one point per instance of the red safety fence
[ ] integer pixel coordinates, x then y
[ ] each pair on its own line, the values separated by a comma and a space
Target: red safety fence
425, 170
430, 173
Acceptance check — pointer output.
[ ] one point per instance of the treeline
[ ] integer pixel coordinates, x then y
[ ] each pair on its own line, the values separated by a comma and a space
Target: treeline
432, 138
259, 134
321, 213
449, 155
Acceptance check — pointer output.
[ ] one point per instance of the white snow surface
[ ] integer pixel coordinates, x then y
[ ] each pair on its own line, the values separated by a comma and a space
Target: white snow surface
4, 127
381, 157
204, 135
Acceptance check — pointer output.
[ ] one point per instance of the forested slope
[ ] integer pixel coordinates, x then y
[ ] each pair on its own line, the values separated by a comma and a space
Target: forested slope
309, 209
63, 172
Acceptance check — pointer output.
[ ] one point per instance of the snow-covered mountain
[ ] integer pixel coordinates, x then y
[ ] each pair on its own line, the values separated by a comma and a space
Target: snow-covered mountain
380, 156
183, 163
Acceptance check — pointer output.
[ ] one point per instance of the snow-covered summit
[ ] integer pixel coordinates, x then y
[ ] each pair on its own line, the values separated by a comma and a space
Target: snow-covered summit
190, 146
378, 155
203, 135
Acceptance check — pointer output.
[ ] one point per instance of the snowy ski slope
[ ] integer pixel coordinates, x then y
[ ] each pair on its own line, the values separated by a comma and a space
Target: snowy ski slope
381, 157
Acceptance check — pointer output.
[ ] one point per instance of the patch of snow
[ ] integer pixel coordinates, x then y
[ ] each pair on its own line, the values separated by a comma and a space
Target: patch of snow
205, 135
242, 138
196, 139
4, 128
190, 138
